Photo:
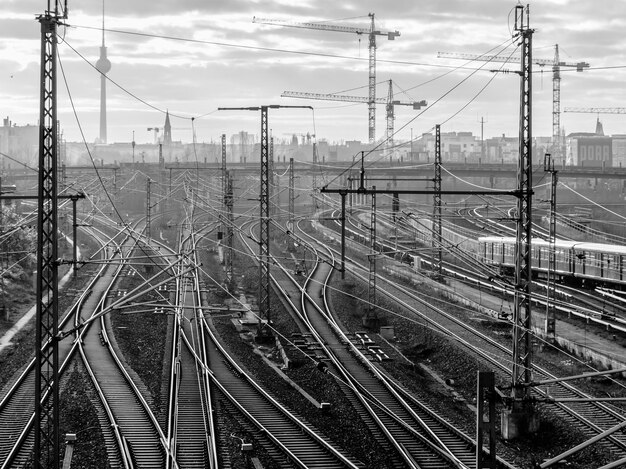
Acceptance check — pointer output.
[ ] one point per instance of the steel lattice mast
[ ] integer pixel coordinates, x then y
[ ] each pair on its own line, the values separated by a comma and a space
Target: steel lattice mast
550, 326
557, 144
224, 183
148, 209
436, 228
46, 423
264, 227
371, 291
371, 104
230, 219
264, 216
522, 347
270, 177
292, 205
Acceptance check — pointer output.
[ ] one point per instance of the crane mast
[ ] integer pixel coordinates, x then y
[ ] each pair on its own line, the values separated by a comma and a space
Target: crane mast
371, 32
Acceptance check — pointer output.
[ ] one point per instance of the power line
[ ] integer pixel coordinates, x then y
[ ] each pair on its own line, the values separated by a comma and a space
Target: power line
266, 49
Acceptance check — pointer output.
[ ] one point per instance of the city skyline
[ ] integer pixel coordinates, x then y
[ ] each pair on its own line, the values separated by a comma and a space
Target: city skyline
242, 64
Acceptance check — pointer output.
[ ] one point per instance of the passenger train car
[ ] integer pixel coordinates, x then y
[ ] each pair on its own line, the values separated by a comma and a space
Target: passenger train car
577, 263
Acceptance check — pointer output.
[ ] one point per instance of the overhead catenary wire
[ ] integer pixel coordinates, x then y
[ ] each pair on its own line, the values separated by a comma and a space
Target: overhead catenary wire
300, 52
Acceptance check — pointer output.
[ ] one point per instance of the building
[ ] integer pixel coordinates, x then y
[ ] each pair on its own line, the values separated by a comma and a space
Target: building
589, 149
618, 151
19, 142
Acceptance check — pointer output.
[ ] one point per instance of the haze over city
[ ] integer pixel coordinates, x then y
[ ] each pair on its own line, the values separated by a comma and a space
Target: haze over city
238, 63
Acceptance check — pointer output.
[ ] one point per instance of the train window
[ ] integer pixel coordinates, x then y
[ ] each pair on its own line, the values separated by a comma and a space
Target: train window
497, 248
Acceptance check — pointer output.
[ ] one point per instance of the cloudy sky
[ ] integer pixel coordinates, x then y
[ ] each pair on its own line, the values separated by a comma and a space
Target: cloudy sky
237, 63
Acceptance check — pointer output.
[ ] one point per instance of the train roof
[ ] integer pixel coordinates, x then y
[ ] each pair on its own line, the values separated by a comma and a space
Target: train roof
560, 243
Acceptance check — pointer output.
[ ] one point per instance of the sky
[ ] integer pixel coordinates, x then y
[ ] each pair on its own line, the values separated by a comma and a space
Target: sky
237, 63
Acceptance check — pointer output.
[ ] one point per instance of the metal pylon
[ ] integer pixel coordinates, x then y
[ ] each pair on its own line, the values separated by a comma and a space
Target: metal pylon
46, 423
270, 174
148, 210
522, 346
264, 219
436, 235
371, 288
230, 219
292, 205
315, 169
556, 107
550, 328
264, 224
224, 183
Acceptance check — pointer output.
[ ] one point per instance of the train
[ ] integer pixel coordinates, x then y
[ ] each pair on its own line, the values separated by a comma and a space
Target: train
576, 263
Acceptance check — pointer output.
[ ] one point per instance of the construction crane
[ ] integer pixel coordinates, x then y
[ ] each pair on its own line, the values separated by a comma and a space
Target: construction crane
556, 63
156, 133
389, 103
597, 110
371, 33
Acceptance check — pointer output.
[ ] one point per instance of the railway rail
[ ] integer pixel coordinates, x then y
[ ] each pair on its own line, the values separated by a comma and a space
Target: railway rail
592, 417
421, 438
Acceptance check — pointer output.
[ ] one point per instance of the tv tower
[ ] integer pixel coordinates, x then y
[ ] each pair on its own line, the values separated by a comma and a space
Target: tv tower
103, 65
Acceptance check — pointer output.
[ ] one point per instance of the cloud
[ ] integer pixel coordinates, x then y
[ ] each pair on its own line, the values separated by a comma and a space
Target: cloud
195, 78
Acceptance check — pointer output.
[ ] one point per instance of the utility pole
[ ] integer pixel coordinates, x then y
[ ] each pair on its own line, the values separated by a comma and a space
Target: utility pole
292, 205
148, 219
350, 193
46, 422
519, 416
133, 145
230, 219
224, 185
370, 320
270, 187
74, 237
315, 168
550, 326
264, 333
482, 139
436, 234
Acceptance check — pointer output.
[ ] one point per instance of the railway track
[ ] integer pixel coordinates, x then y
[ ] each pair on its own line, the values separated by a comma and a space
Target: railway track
288, 438
592, 417
191, 429
141, 439
125, 415
419, 436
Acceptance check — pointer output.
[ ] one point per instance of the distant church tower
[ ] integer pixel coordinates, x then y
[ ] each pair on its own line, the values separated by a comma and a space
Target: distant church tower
103, 65
167, 130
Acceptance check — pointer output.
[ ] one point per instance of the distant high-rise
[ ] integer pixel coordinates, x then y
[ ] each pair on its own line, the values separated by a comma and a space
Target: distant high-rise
167, 130
103, 65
